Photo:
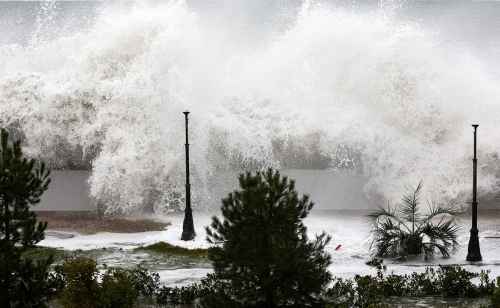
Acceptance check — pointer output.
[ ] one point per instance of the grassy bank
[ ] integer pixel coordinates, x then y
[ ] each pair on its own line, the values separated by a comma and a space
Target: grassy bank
168, 249
154, 257
40, 253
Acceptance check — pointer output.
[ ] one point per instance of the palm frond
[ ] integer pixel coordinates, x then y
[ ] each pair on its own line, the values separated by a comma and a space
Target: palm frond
442, 236
430, 247
387, 238
436, 211
445, 230
409, 208
387, 213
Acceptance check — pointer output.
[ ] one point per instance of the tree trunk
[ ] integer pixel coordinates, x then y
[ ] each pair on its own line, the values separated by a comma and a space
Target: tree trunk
414, 245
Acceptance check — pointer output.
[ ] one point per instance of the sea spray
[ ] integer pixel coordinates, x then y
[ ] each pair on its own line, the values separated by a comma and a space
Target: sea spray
335, 88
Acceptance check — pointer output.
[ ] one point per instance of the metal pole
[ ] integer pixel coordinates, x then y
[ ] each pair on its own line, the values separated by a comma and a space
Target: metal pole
474, 251
188, 225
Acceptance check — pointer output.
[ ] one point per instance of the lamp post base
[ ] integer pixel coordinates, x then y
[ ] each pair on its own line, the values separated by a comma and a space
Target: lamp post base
188, 233
474, 252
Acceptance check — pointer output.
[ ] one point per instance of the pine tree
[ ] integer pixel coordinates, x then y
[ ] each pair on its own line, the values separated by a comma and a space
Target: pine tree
261, 248
23, 282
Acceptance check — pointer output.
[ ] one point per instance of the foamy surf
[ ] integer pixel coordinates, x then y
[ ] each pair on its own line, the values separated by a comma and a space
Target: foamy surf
330, 87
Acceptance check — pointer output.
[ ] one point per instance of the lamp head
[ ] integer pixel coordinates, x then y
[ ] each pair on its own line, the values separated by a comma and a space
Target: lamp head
475, 126
186, 113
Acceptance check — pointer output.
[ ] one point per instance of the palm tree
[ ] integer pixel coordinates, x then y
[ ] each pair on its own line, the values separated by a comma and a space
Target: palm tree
405, 230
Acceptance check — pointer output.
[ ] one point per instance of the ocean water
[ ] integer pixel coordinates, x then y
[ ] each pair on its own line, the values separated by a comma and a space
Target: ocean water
384, 90
348, 228
356, 100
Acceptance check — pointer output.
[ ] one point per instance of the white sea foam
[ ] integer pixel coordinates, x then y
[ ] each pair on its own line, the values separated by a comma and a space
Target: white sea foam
350, 230
359, 90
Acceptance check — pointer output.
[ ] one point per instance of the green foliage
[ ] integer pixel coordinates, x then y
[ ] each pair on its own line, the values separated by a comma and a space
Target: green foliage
261, 246
122, 287
405, 230
81, 286
393, 285
38, 253
181, 295
342, 293
34, 285
145, 282
212, 291
22, 183
177, 295
377, 263
363, 291
117, 289
84, 287
370, 291
166, 248
420, 284
455, 281
495, 296
24, 282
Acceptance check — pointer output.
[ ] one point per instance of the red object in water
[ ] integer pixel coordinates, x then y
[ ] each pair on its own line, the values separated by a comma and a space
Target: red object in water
338, 247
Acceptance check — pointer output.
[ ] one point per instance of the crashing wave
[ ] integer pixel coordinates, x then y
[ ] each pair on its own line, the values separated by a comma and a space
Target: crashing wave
335, 89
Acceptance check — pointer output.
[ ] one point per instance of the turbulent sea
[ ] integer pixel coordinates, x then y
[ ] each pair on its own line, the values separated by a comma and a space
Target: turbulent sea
349, 229
357, 100
383, 90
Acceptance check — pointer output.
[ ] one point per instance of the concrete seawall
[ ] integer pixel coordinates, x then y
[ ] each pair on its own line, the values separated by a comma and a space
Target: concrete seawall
68, 191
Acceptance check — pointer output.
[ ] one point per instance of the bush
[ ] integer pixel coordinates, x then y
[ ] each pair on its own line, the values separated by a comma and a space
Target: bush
446, 281
178, 295
262, 249
407, 230
342, 293
117, 289
145, 282
423, 284
35, 285
495, 296
84, 287
213, 291
486, 285
455, 281
394, 285
363, 291
369, 290
81, 285
122, 287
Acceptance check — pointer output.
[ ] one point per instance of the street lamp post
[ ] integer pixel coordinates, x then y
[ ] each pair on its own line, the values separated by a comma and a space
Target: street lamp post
187, 226
474, 252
